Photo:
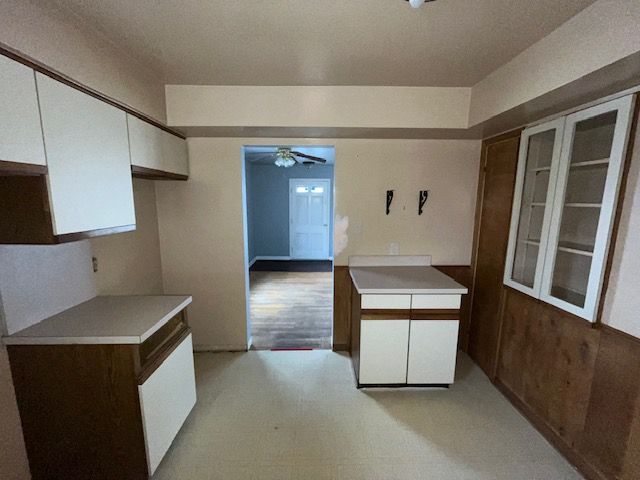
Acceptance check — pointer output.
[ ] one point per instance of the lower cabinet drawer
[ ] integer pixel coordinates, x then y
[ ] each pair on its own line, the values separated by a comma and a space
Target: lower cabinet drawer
444, 302
432, 351
383, 351
166, 398
389, 302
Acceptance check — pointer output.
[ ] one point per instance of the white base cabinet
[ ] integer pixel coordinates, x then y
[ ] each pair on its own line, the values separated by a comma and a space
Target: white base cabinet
166, 398
383, 351
432, 351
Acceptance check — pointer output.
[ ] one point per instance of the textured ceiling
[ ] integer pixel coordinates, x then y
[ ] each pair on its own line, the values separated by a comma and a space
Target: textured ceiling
323, 42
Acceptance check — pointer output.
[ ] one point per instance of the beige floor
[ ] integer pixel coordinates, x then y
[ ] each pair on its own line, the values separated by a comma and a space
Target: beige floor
297, 415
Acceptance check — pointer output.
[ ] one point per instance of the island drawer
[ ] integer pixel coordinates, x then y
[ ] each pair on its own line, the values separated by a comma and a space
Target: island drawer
392, 302
435, 301
158, 346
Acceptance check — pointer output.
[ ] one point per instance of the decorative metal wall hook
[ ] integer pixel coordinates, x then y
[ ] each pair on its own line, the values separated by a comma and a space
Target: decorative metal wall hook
389, 199
424, 194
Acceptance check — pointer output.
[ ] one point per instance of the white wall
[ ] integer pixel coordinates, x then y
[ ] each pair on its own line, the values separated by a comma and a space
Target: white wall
350, 107
65, 43
601, 34
129, 263
201, 228
622, 302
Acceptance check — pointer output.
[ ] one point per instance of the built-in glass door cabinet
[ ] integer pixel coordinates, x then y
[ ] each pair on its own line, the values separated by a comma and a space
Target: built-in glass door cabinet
567, 187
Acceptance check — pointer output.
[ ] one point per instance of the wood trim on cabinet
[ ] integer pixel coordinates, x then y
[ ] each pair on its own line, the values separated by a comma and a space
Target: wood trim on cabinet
73, 237
41, 68
435, 314
385, 314
162, 355
153, 174
8, 168
354, 318
80, 410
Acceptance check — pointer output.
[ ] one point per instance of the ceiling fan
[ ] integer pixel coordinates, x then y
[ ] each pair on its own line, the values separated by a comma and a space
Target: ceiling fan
285, 157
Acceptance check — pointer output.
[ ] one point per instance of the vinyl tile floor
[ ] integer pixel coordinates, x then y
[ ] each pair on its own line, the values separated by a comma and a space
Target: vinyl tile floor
297, 415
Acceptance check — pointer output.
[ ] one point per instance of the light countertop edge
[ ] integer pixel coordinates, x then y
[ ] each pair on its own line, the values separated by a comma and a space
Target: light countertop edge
18, 339
450, 286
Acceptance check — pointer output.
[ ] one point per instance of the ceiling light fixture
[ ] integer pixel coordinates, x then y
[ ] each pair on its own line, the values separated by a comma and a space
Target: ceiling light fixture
418, 3
284, 158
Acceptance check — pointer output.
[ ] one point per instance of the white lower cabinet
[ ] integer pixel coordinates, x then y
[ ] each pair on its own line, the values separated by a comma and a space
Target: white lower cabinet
384, 346
432, 351
166, 398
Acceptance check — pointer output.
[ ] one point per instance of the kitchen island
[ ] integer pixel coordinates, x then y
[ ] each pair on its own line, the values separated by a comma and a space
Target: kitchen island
104, 387
404, 322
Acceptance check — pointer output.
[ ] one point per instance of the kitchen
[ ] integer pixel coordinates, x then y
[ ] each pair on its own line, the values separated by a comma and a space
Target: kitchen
185, 200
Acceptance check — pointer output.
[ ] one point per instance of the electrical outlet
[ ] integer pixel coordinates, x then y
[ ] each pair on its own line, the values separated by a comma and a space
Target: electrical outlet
394, 248
94, 262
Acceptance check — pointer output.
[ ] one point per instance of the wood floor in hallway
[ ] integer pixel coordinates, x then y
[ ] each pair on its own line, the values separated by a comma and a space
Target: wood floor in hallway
291, 309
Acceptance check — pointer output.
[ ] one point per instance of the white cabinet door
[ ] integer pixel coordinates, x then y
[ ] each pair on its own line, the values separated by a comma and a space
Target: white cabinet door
20, 129
145, 144
432, 351
88, 160
589, 175
175, 158
383, 351
166, 399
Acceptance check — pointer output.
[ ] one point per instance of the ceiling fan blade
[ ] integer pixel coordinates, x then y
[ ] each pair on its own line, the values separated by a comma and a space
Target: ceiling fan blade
264, 156
310, 157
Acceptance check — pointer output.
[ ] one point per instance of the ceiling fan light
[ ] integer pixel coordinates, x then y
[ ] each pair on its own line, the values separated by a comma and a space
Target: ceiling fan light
416, 3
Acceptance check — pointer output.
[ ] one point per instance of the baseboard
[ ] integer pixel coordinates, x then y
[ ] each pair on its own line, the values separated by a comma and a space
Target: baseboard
219, 348
253, 260
573, 457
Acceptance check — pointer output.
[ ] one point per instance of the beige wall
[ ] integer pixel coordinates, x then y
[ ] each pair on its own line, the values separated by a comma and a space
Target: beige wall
201, 221
350, 107
601, 34
63, 42
622, 302
129, 263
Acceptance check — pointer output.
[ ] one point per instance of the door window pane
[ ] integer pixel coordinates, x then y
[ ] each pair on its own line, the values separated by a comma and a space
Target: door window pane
532, 206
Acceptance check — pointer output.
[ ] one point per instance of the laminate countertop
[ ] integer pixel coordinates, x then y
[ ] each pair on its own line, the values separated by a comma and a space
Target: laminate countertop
126, 319
421, 280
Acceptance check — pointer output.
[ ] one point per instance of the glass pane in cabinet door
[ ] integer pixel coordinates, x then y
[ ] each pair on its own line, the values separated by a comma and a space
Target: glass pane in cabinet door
588, 168
532, 206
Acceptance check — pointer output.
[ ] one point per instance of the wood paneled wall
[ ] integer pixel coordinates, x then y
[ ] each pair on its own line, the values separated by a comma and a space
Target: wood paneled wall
342, 304
577, 382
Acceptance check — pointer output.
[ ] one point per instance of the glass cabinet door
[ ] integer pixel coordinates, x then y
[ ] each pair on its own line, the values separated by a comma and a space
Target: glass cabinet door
535, 185
588, 181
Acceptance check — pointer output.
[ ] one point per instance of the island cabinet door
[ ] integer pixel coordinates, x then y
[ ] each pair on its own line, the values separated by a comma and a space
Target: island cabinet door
383, 351
432, 351
166, 398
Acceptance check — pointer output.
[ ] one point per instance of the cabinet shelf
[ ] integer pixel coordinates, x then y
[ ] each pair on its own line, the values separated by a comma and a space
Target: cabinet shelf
583, 205
589, 163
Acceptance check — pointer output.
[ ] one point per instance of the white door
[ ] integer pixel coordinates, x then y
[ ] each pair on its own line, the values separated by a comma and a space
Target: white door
383, 351
432, 351
309, 218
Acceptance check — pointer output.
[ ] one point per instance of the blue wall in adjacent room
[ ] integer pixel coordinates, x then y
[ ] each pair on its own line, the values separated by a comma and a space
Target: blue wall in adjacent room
268, 206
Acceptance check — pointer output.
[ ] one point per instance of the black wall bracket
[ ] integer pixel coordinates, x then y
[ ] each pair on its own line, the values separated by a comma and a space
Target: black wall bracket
389, 199
424, 194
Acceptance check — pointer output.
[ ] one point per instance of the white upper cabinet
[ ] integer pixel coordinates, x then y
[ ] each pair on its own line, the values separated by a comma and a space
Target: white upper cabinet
20, 129
175, 158
89, 170
567, 187
156, 149
145, 143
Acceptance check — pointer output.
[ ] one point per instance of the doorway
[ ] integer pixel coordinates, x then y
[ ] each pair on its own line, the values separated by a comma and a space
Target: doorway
288, 212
